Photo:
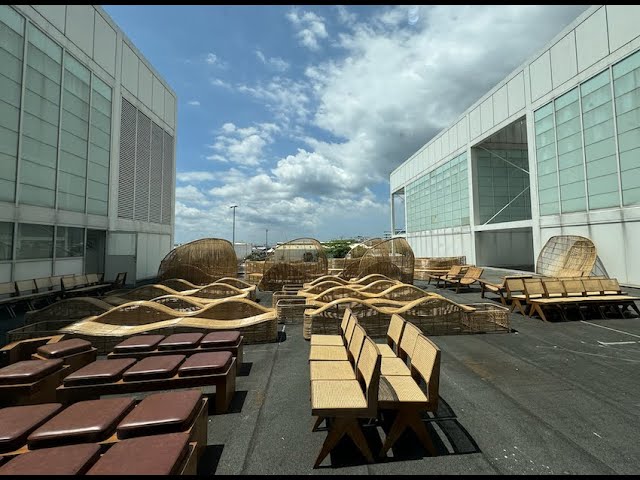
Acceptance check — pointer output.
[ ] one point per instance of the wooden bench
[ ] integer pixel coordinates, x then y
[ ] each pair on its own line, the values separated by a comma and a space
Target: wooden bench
31, 381
469, 277
500, 289
160, 372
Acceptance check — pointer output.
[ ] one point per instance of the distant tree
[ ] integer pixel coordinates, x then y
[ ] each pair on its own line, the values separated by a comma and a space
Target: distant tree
337, 248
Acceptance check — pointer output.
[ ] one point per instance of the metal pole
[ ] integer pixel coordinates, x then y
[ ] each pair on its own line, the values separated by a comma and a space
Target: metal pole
266, 238
233, 241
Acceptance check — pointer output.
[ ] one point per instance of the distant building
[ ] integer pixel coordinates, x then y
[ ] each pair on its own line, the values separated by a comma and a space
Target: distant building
87, 147
552, 149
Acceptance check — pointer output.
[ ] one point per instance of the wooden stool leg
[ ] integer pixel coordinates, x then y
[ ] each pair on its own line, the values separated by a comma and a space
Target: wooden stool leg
337, 430
317, 423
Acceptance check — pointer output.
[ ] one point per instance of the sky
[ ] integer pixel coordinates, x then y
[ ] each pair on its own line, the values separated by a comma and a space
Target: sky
298, 114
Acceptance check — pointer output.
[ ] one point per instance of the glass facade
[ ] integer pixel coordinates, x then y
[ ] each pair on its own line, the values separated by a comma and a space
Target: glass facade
440, 198
34, 241
69, 242
6, 241
588, 143
65, 140
502, 183
626, 85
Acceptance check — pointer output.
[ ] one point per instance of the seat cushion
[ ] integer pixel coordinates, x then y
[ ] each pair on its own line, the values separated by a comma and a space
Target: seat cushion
158, 413
180, 340
150, 368
28, 371
153, 455
139, 343
98, 372
67, 460
16, 423
221, 339
83, 422
205, 363
64, 348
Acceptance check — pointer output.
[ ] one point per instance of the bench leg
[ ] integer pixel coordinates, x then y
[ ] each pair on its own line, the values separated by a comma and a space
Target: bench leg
317, 423
339, 428
225, 391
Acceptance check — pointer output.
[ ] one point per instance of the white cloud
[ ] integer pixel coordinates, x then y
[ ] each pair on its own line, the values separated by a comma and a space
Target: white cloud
276, 63
220, 83
404, 75
242, 146
194, 103
309, 27
211, 58
190, 194
188, 177
345, 16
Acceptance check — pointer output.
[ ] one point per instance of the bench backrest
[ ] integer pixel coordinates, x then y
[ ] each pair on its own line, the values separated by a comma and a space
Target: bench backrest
533, 287
355, 345
408, 341
394, 333
43, 284
350, 327
68, 282
81, 280
426, 365
473, 273
346, 318
120, 279
456, 269
592, 286
610, 286
56, 281
25, 287
514, 285
553, 288
369, 374
574, 288
92, 278
8, 289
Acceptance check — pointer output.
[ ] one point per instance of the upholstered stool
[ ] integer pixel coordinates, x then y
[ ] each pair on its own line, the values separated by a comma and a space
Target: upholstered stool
67, 460
205, 363
16, 423
150, 368
139, 343
221, 339
100, 371
180, 341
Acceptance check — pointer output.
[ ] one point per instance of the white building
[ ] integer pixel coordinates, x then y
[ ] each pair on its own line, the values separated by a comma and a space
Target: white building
552, 149
87, 147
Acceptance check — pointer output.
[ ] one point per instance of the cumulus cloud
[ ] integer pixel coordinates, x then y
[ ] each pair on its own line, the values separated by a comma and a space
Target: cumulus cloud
275, 63
193, 177
402, 76
310, 28
217, 82
242, 146
190, 193
345, 16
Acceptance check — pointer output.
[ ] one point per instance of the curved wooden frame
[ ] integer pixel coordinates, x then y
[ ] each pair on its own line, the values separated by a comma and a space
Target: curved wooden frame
201, 262
567, 256
74, 308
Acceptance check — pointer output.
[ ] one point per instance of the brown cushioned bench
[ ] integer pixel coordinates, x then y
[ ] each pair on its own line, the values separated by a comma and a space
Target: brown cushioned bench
141, 346
106, 421
168, 454
74, 352
31, 381
159, 372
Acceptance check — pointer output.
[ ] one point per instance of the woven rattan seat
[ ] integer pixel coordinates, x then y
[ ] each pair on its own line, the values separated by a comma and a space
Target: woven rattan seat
159, 413
28, 371
328, 395
394, 389
16, 423
139, 343
321, 370
64, 348
149, 368
82, 422
66, 460
386, 350
152, 455
326, 352
394, 366
333, 340
100, 371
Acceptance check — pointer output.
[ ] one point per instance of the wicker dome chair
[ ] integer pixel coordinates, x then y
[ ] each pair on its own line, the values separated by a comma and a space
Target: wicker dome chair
200, 262
393, 258
298, 261
567, 256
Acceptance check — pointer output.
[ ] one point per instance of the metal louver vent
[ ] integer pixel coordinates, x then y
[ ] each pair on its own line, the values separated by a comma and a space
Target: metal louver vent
167, 180
155, 187
126, 175
143, 155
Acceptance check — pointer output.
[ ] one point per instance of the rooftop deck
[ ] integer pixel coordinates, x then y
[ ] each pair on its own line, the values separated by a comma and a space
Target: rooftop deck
549, 398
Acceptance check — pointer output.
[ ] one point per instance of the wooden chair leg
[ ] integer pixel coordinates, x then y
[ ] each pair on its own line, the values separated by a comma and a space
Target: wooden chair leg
398, 426
355, 433
417, 425
337, 429
540, 312
317, 423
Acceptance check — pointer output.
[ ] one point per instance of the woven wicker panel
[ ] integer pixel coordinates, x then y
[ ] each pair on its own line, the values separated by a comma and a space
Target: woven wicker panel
351, 268
320, 288
200, 262
180, 303
325, 278
399, 389
291, 310
534, 287
369, 371
217, 290
355, 345
372, 278
566, 255
408, 340
336, 370
178, 284
486, 318
297, 261
337, 395
358, 250
146, 292
396, 324
393, 258
68, 309
438, 263
426, 360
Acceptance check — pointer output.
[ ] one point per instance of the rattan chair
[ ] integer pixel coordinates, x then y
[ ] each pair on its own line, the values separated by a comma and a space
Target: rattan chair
344, 402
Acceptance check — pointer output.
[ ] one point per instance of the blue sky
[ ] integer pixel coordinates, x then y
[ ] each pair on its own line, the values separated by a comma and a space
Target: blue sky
297, 114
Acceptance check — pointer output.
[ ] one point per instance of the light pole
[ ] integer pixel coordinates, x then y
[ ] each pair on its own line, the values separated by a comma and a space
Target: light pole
266, 237
233, 241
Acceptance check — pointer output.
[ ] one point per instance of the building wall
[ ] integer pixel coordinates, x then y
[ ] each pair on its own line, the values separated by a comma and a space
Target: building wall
69, 81
580, 98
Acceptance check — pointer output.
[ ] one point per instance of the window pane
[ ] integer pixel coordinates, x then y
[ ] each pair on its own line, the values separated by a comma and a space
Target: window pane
69, 242
6, 240
34, 241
